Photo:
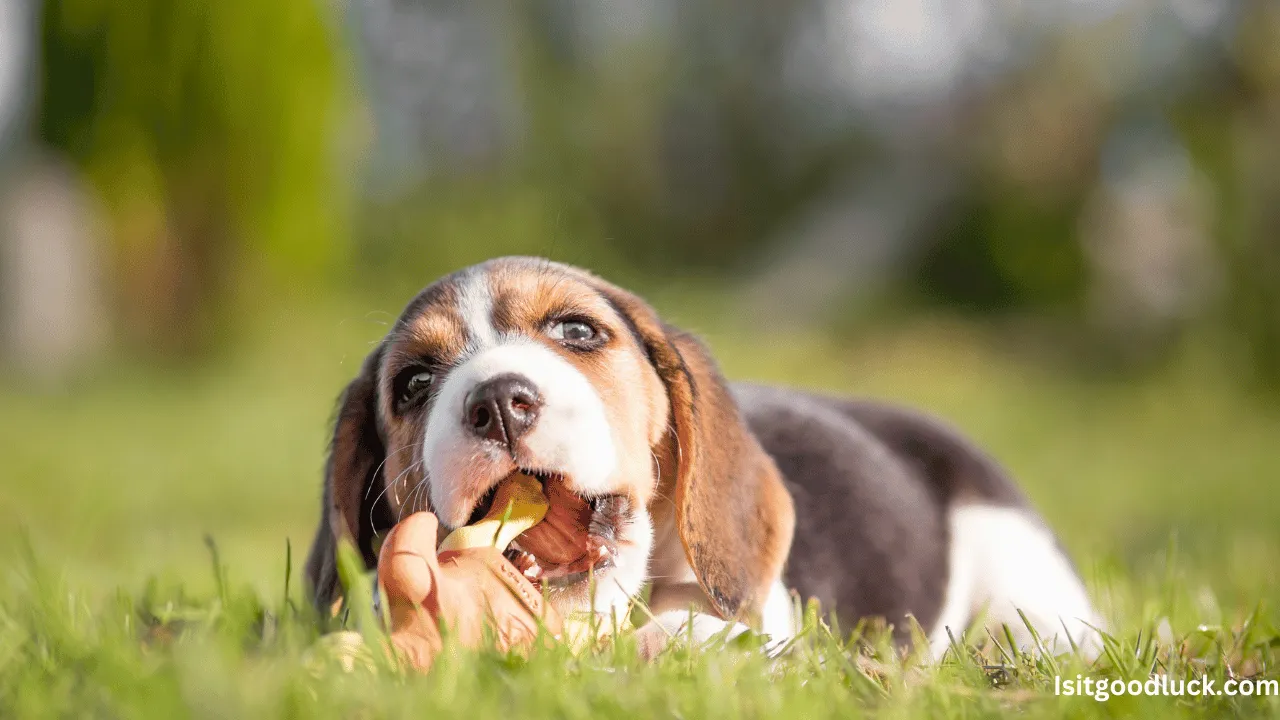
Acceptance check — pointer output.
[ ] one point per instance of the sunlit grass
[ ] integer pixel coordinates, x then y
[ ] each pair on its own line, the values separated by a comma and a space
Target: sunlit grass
233, 652
1164, 489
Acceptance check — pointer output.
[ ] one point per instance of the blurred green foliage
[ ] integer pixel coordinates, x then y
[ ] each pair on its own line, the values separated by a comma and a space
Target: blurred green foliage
221, 137
209, 130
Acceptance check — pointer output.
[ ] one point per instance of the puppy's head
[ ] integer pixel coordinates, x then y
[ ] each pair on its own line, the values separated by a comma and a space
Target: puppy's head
526, 365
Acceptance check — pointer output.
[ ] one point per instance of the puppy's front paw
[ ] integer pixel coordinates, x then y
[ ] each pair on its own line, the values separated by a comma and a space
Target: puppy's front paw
679, 626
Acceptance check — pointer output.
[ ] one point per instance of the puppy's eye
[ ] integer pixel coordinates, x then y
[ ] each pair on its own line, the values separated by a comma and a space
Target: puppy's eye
414, 384
418, 383
573, 331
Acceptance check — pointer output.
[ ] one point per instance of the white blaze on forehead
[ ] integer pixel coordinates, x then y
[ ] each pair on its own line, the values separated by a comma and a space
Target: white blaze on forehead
572, 435
475, 305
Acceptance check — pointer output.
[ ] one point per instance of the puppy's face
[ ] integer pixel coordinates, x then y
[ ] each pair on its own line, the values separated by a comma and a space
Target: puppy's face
525, 365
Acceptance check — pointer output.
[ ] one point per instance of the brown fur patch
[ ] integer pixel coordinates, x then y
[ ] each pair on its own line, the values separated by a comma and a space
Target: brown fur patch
733, 513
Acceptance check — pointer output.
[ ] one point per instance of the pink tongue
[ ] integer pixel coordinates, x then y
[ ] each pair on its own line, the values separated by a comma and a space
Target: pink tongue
532, 568
561, 538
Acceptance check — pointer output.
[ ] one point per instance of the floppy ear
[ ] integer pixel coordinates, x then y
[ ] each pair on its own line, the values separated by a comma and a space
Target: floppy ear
734, 515
352, 506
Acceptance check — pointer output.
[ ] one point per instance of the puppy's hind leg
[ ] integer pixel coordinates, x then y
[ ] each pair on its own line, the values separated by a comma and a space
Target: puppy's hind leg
1005, 560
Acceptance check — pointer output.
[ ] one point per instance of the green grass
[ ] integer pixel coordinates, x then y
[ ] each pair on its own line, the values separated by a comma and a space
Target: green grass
1164, 490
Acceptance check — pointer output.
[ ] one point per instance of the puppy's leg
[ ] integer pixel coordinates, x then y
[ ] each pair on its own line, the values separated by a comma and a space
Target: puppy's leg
1004, 560
672, 605
682, 626
676, 592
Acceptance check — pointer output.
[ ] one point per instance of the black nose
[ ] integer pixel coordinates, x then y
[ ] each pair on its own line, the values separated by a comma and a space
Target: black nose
503, 408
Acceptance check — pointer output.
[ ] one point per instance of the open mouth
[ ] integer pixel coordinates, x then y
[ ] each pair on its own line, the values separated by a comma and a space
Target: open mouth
578, 537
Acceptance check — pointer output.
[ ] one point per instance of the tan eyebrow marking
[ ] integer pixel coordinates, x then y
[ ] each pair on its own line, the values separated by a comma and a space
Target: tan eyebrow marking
525, 297
436, 328
436, 332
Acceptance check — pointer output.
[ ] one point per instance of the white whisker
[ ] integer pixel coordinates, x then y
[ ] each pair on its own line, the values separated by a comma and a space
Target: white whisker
387, 486
381, 464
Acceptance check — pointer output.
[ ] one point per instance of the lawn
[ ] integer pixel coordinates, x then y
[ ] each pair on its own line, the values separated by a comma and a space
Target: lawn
112, 603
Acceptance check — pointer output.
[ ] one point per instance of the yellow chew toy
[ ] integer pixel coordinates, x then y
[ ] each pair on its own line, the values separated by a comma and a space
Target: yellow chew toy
518, 504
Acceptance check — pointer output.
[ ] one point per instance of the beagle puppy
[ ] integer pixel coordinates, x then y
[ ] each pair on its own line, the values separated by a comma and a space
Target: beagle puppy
722, 496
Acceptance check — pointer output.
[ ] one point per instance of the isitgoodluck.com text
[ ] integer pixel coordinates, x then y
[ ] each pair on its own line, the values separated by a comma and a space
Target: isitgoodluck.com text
1162, 685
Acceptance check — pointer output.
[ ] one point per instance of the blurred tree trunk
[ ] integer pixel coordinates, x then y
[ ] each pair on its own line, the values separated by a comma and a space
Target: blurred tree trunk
172, 270
206, 128
1252, 224
53, 313
1255, 254
51, 304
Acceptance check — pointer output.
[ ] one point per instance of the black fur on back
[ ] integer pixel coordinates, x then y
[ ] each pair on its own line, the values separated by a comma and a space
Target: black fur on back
872, 485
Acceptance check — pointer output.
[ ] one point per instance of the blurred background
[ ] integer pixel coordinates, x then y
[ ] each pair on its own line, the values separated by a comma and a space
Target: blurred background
1056, 224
